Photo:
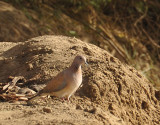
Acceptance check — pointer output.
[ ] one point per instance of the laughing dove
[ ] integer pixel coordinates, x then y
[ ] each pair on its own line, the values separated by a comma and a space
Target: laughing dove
66, 82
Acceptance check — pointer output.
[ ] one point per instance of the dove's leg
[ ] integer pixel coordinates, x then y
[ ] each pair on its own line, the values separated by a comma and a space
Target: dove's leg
65, 98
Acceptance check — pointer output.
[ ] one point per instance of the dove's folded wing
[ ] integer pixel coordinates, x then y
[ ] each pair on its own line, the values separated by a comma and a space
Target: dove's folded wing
56, 84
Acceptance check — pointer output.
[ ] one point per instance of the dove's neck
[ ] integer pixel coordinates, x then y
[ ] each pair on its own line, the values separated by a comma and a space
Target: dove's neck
76, 67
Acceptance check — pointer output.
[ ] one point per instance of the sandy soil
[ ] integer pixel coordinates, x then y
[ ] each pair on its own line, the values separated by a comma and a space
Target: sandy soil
111, 93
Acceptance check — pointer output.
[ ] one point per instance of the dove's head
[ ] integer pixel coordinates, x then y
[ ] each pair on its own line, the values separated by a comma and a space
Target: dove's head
80, 60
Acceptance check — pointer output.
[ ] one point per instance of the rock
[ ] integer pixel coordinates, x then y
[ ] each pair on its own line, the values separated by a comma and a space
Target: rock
157, 95
30, 66
79, 107
47, 109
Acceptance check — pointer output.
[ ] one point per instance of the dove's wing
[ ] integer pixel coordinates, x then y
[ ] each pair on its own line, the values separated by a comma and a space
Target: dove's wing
56, 84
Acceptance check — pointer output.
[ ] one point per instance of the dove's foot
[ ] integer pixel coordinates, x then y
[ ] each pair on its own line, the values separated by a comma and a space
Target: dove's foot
65, 99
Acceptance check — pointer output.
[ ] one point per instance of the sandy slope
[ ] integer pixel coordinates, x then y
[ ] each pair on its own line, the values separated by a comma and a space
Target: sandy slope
111, 93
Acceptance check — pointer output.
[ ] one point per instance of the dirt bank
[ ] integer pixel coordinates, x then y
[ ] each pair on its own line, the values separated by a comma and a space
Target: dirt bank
111, 93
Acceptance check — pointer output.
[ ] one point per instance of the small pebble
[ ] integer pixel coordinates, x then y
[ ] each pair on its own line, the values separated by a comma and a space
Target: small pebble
79, 107
46, 109
30, 66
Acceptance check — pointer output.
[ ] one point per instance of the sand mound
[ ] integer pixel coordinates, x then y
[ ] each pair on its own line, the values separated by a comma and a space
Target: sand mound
111, 93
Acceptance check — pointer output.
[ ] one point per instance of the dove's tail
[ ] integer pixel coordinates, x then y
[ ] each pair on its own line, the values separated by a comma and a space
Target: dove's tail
34, 97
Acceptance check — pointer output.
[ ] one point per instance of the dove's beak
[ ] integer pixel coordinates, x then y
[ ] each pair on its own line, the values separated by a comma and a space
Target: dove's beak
86, 63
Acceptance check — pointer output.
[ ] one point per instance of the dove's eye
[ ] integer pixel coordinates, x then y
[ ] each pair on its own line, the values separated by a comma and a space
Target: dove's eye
80, 58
